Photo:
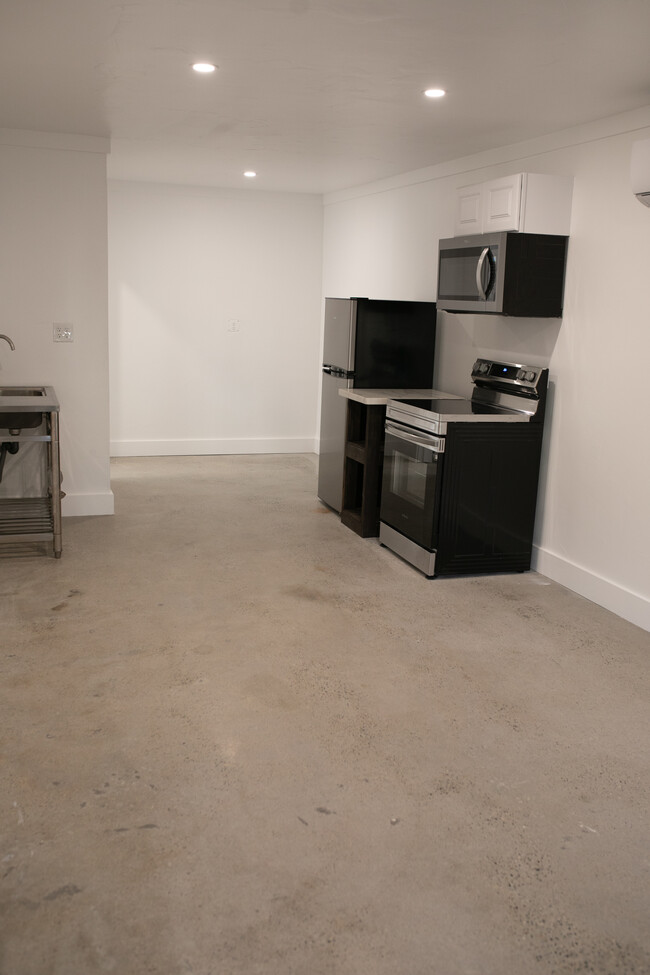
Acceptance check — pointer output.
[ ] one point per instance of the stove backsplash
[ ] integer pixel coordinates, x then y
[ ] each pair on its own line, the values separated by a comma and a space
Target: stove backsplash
461, 339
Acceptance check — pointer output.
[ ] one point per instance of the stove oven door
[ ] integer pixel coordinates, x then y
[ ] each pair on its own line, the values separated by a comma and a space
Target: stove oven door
411, 482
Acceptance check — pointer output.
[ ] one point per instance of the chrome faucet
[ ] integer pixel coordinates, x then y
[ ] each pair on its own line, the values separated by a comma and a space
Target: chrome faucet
7, 339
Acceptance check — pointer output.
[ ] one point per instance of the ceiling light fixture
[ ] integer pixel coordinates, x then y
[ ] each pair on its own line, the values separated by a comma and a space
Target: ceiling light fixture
435, 92
249, 174
202, 67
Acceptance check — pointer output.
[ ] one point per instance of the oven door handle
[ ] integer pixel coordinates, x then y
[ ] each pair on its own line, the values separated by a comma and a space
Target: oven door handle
434, 444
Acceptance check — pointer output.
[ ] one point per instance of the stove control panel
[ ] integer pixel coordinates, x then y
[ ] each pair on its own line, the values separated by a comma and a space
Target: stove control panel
489, 372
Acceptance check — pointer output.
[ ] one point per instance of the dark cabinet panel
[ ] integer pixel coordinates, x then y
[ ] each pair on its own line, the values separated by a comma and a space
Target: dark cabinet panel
487, 513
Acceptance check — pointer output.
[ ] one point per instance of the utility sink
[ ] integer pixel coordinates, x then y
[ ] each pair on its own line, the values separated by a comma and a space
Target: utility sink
29, 414
20, 407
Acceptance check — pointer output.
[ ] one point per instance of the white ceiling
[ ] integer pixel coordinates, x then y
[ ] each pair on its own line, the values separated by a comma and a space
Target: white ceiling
315, 95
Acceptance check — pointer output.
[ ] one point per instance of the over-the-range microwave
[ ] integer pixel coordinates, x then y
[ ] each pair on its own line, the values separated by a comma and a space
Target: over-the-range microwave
502, 274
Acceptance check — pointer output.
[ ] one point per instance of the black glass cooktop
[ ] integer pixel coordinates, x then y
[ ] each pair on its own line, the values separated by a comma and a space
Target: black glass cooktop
454, 407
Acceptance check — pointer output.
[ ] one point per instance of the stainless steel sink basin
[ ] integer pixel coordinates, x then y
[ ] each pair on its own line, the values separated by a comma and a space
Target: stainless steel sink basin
13, 419
22, 391
20, 421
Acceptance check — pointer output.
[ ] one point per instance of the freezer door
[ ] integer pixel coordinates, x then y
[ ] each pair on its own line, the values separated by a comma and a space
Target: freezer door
332, 441
339, 337
395, 342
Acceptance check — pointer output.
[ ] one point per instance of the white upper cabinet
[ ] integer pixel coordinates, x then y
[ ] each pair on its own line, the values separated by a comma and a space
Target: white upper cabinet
529, 202
503, 203
468, 218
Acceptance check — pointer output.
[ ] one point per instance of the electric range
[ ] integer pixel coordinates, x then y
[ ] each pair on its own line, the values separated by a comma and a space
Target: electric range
460, 477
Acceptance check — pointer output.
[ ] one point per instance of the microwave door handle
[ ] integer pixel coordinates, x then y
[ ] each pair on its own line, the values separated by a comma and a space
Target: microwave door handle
479, 273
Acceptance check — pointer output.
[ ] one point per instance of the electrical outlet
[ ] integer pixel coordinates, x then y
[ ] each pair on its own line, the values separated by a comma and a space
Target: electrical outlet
233, 324
62, 332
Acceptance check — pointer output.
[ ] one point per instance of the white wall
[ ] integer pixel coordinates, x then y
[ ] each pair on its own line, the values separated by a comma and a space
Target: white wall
53, 264
593, 526
215, 306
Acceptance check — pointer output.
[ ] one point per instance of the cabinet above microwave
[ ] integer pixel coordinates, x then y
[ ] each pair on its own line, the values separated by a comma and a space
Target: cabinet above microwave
502, 274
530, 203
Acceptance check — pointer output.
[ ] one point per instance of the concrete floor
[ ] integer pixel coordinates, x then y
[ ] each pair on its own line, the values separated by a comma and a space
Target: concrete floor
239, 739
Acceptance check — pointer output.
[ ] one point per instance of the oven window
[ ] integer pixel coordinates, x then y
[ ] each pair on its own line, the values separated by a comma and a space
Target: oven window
411, 486
409, 479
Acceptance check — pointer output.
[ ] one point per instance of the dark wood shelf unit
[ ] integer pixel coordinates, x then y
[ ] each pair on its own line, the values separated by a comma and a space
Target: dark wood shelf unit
364, 451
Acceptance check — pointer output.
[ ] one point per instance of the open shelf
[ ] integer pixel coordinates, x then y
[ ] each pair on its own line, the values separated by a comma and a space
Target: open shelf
364, 449
356, 452
31, 519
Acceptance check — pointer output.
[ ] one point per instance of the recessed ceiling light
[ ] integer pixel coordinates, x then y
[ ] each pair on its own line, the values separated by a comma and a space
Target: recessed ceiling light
250, 174
202, 67
435, 92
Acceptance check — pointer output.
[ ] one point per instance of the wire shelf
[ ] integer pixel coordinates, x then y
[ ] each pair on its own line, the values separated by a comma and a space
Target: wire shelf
21, 517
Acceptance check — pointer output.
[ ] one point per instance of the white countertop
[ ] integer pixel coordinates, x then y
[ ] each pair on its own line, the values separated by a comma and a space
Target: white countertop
379, 397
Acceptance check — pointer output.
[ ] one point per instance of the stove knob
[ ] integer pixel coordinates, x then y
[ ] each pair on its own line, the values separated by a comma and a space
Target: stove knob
530, 376
484, 367
521, 373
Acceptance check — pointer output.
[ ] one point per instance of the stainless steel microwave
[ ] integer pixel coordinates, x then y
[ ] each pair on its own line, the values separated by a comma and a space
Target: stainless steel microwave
503, 274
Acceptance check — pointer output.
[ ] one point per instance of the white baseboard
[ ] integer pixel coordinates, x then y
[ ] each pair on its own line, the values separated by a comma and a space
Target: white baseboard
88, 504
629, 605
171, 448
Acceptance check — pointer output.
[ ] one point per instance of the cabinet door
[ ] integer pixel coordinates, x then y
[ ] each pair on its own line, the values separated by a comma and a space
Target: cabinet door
502, 203
468, 218
546, 204
529, 202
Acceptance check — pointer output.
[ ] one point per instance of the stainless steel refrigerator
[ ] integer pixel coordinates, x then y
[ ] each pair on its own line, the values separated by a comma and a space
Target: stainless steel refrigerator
368, 344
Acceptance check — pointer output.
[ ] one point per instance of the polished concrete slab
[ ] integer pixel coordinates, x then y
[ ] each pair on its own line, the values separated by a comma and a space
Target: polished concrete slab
239, 739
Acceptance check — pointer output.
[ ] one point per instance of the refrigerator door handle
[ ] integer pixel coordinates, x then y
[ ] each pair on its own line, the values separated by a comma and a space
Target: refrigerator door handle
353, 336
337, 372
